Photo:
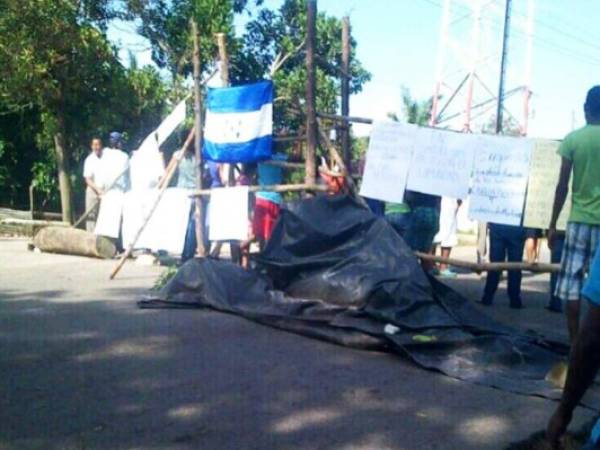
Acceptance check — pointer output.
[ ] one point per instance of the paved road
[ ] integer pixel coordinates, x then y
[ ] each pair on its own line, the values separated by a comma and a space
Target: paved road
82, 368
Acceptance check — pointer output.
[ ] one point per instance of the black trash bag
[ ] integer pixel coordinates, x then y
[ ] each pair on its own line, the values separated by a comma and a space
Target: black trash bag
334, 271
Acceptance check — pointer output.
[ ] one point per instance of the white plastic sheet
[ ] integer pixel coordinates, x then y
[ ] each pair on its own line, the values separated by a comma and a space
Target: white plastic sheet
228, 217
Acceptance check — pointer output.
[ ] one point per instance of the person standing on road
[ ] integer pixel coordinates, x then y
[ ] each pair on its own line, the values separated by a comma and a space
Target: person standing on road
580, 152
447, 237
506, 243
92, 172
584, 362
424, 223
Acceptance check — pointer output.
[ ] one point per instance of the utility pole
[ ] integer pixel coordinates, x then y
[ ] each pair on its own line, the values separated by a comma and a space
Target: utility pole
528, 64
311, 110
345, 127
503, 61
198, 135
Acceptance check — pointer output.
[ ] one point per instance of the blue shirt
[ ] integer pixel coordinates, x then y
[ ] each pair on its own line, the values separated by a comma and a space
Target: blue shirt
215, 176
269, 175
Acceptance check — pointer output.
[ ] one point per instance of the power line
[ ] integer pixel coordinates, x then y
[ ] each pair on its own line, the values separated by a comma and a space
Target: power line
551, 45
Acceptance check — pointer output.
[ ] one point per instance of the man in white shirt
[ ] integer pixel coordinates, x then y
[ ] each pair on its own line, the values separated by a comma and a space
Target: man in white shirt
113, 178
93, 179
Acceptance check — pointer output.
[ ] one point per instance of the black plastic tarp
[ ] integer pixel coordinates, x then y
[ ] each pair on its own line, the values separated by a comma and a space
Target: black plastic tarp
334, 271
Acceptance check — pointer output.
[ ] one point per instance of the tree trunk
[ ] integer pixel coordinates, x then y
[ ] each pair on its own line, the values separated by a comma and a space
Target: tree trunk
62, 162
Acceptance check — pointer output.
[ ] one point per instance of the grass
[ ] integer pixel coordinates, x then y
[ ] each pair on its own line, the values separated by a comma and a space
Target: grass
165, 277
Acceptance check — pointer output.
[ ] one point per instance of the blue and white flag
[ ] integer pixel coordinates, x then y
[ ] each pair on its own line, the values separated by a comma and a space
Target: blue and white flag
239, 123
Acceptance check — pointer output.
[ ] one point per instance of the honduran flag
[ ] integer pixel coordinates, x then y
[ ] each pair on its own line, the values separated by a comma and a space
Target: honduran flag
239, 123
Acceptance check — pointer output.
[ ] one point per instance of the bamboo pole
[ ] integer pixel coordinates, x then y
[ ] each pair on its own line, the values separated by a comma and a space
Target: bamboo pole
345, 127
284, 164
311, 109
487, 267
199, 213
167, 178
271, 188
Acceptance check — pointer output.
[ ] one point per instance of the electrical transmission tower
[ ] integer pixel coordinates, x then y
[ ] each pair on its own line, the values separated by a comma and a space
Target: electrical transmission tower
484, 44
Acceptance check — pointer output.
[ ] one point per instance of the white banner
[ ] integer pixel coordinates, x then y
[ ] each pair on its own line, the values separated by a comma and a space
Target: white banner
228, 216
166, 228
109, 216
154, 140
500, 177
543, 178
388, 159
442, 163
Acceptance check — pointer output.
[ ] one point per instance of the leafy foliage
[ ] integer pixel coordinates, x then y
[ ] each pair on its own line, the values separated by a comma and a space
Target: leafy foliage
59, 73
415, 111
275, 40
165, 23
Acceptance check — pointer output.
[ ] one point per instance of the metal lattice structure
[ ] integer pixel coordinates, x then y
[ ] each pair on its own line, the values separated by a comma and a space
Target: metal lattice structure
472, 32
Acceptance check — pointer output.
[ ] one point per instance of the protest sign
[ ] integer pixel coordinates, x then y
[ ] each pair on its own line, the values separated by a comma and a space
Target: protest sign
109, 216
543, 177
388, 159
167, 226
500, 179
228, 214
442, 162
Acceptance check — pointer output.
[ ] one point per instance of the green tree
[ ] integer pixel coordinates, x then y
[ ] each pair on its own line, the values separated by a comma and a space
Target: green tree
273, 45
415, 111
53, 56
166, 25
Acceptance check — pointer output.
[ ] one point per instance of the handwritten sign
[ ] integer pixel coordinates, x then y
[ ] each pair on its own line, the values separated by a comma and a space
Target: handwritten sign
388, 159
543, 177
500, 179
442, 163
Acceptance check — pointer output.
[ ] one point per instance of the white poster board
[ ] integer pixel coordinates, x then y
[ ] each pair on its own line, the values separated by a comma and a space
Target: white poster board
500, 175
228, 216
442, 162
543, 176
166, 228
109, 216
388, 159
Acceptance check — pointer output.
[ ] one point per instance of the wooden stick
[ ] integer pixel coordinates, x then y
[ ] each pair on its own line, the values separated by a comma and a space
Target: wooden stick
272, 188
34, 222
487, 267
340, 162
310, 174
97, 201
198, 138
345, 91
284, 164
167, 178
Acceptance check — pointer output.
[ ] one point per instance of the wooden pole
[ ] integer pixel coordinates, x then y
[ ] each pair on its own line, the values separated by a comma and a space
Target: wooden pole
503, 60
199, 213
311, 109
167, 178
345, 126
272, 188
223, 58
487, 267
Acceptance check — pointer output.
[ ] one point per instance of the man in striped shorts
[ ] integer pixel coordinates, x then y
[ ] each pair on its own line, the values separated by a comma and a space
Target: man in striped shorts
580, 152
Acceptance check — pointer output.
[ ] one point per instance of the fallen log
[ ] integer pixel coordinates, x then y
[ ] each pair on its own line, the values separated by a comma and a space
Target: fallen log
487, 267
73, 241
34, 223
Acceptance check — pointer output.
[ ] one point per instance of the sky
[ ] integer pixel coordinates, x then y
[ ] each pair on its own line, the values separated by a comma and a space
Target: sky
399, 43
